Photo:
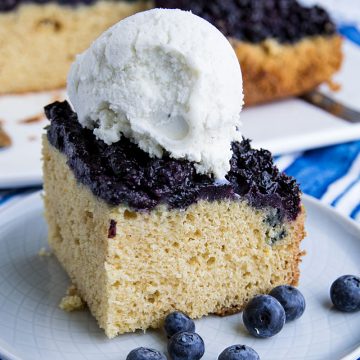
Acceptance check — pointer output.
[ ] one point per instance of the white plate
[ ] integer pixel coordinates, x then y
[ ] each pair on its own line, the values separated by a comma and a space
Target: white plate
20, 164
33, 327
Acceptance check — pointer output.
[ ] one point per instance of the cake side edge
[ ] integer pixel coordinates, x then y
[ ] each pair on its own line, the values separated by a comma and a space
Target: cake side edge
81, 255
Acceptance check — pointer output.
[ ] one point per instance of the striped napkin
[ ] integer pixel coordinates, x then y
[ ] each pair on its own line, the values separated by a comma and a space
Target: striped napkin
330, 174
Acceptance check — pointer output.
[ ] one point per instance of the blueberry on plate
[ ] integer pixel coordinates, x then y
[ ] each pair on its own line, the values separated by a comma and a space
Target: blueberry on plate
345, 293
239, 352
178, 322
291, 299
142, 353
264, 316
186, 346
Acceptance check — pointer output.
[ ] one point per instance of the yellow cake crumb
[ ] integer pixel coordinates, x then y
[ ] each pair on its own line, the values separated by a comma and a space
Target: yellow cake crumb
72, 301
43, 252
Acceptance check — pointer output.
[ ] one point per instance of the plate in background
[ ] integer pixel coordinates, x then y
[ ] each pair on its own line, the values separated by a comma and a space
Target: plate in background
23, 119
33, 327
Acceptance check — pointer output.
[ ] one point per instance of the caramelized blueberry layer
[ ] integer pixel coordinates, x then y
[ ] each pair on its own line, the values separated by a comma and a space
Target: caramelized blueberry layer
256, 20
248, 20
121, 173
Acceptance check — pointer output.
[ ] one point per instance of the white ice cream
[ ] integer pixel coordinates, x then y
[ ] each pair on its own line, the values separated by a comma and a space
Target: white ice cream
166, 79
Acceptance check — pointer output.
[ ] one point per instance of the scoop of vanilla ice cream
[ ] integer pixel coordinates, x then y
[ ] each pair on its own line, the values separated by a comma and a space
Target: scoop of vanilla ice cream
167, 80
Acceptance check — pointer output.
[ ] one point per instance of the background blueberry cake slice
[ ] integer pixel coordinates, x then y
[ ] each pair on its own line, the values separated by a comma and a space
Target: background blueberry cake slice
141, 236
40, 38
284, 48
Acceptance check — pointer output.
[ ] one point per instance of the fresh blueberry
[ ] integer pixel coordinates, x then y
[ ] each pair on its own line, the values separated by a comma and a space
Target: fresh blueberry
178, 322
291, 299
345, 293
142, 353
264, 316
186, 346
239, 352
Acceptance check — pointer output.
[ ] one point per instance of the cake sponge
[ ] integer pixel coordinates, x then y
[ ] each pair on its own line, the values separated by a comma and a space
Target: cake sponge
133, 268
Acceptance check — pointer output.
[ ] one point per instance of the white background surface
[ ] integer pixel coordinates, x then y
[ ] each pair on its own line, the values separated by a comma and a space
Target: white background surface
32, 327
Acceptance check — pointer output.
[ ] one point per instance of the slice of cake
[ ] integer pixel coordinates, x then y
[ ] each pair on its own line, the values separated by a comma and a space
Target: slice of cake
154, 200
284, 48
142, 237
39, 39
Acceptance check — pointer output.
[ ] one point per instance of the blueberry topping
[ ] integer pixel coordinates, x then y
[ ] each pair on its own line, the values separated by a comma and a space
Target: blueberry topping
291, 299
178, 322
186, 346
264, 316
239, 352
254, 176
7, 5
142, 353
122, 173
345, 293
255, 20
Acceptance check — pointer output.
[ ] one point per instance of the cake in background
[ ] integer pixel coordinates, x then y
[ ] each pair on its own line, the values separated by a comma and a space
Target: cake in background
154, 200
285, 49
40, 38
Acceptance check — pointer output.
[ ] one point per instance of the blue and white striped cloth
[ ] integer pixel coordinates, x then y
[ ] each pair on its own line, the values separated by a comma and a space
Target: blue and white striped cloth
331, 174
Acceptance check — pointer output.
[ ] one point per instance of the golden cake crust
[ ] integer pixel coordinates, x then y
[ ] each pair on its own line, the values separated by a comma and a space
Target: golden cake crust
209, 258
38, 42
272, 70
